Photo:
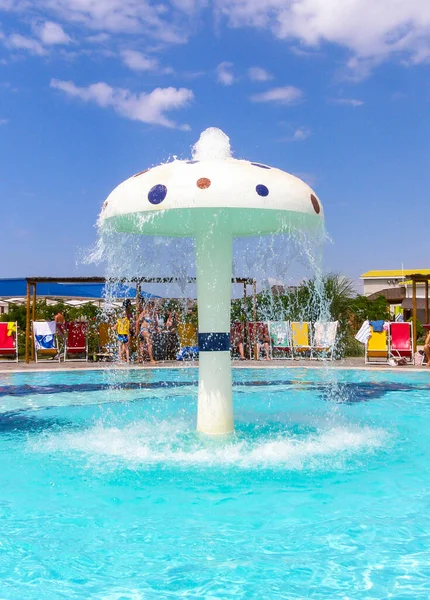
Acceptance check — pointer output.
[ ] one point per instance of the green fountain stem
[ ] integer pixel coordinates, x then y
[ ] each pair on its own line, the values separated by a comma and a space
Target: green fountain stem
214, 244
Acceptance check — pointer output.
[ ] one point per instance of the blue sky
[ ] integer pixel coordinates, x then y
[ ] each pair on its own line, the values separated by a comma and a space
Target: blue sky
93, 91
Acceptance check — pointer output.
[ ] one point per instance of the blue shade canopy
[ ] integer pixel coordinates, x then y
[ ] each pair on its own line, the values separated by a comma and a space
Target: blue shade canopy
15, 288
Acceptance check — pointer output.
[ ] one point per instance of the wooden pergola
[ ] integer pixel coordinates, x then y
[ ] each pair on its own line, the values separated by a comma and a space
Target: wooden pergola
419, 278
31, 296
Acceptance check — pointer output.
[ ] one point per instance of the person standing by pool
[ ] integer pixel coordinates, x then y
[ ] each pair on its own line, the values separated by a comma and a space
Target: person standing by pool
237, 338
123, 332
146, 324
427, 348
131, 316
171, 335
60, 330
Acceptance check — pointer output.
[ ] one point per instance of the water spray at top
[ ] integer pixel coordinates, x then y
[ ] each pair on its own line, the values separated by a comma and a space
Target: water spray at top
212, 144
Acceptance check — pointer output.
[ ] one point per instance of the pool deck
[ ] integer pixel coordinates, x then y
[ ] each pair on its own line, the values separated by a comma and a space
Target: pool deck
347, 363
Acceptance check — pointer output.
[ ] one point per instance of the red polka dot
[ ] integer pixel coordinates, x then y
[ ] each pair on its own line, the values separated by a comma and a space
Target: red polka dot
203, 183
315, 204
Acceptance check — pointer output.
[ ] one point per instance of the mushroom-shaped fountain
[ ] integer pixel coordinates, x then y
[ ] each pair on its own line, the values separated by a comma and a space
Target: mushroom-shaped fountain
212, 198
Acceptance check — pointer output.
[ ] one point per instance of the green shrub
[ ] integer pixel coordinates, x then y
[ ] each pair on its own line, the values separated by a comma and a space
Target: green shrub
421, 332
352, 347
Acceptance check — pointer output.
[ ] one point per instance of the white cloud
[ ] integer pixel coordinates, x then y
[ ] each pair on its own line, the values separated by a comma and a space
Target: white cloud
157, 20
301, 133
12, 5
348, 102
51, 33
280, 95
98, 38
370, 29
145, 107
4, 122
189, 6
225, 74
17, 41
298, 135
259, 74
308, 53
138, 61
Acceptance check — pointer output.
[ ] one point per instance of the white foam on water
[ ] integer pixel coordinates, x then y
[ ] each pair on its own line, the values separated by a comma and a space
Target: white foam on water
172, 443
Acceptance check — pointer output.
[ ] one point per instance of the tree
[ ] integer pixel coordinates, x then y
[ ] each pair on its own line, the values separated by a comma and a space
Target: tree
362, 308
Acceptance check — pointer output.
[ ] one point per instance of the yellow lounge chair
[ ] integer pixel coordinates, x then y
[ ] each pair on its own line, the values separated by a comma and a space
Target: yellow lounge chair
300, 337
107, 341
187, 333
376, 347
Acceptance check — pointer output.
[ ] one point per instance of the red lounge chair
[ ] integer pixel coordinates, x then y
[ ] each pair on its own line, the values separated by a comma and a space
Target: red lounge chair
9, 339
76, 340
255, 330
401, 341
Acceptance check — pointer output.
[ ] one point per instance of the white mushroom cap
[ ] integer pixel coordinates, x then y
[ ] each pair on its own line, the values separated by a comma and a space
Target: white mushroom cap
173, 199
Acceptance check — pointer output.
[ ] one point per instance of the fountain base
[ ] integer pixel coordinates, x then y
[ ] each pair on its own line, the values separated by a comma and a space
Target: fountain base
215, 403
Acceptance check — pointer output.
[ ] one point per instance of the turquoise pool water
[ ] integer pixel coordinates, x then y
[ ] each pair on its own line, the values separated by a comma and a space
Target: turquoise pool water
106, 491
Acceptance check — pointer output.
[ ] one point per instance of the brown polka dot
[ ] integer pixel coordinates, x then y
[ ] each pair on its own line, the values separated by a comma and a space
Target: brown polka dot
141, 173
105, 204
315, 204
203, 183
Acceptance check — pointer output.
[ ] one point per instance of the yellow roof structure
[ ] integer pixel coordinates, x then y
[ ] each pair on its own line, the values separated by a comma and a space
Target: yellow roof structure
395, 273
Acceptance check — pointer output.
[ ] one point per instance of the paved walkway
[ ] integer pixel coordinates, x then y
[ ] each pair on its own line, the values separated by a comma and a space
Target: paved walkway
348, 363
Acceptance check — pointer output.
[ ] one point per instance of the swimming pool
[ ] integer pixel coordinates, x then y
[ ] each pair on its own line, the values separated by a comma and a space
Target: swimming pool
107, 492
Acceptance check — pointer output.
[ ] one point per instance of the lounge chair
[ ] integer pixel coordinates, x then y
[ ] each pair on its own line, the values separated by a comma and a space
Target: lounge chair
45, 340
324, 339
280, 338
187, 334
300, 338
76, 341
376, 350
106, 343
401, 341
9, 339
255, 332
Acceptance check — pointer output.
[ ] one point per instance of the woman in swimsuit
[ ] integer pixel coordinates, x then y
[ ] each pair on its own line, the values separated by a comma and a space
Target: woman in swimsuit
145, 327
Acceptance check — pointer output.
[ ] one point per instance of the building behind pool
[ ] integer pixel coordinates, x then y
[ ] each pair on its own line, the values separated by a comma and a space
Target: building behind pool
396, 287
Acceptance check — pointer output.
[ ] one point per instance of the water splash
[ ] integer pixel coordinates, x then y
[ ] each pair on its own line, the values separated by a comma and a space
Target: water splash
171, 443
212, 144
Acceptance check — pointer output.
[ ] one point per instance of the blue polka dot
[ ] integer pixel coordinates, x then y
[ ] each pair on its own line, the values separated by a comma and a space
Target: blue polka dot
261, 166
262, 190
192, 162
157, 194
